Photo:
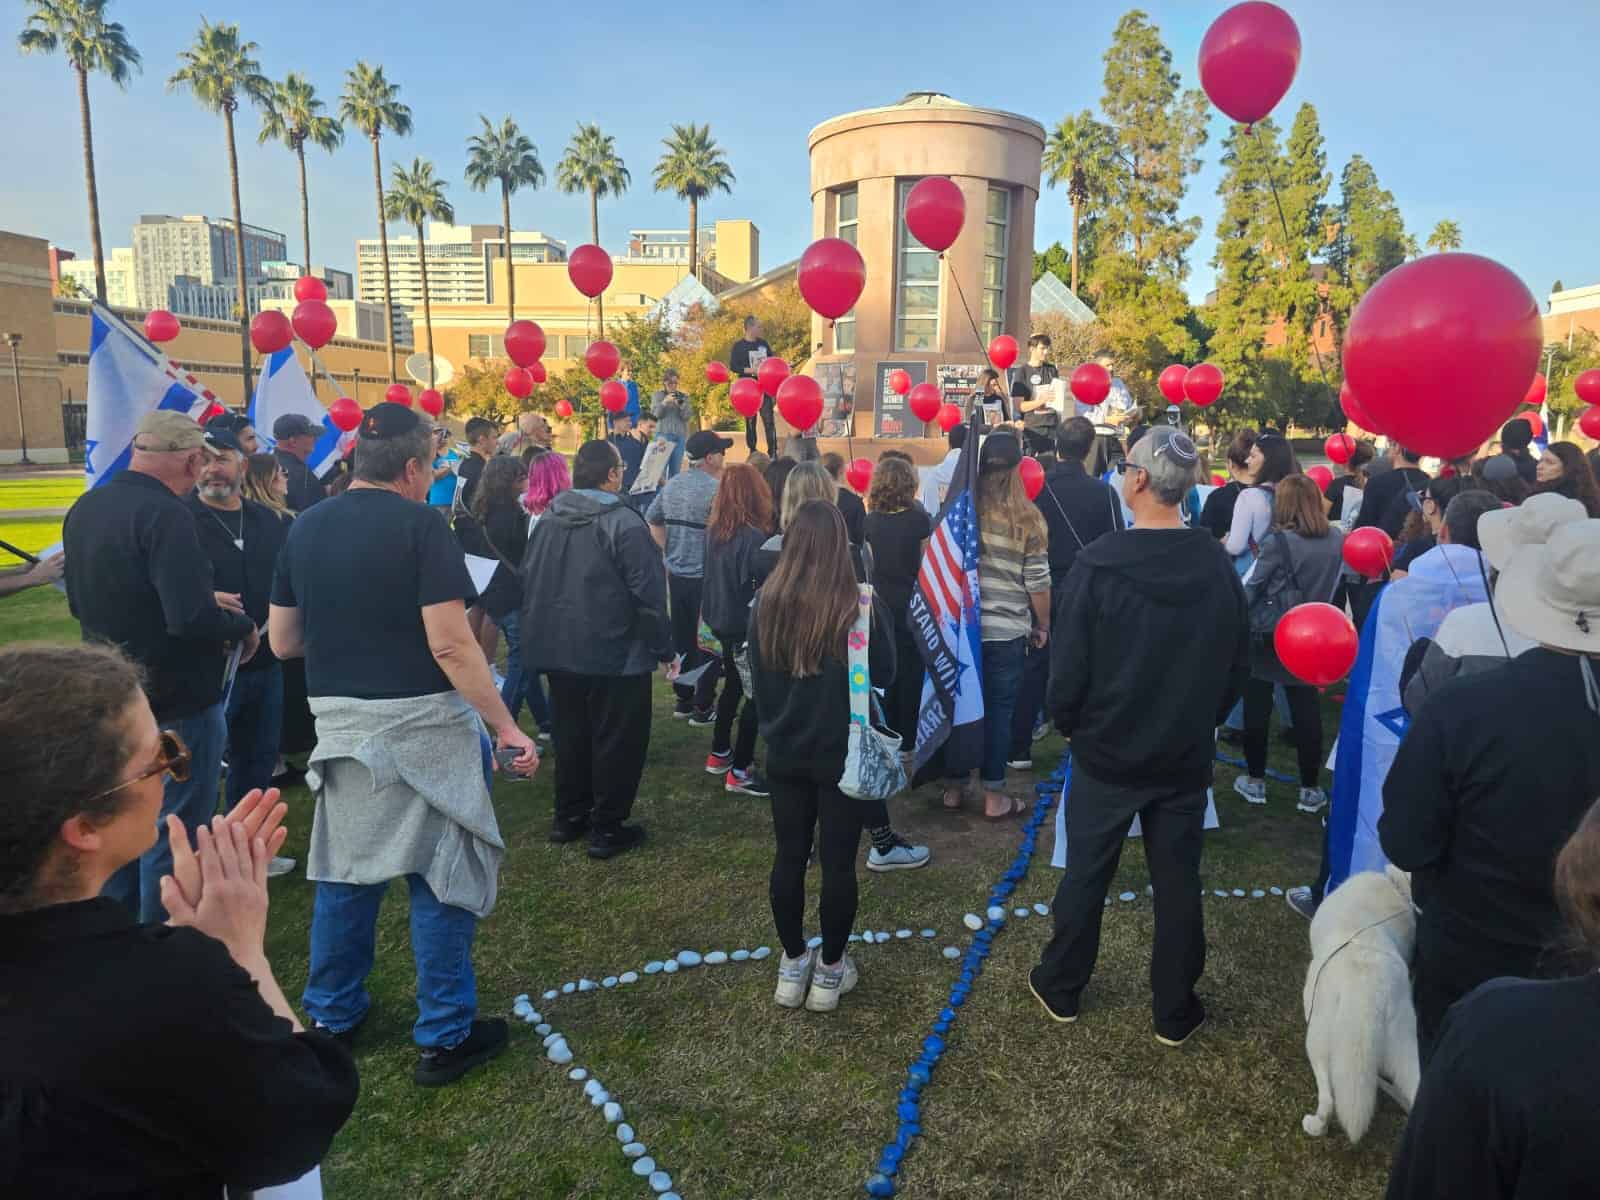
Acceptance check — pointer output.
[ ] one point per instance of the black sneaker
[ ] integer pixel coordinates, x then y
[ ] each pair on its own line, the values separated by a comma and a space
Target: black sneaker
608, 843
701, 717
347, 1037
438, 1067
562, 832
683, 710
1181, 1034
1056, 1012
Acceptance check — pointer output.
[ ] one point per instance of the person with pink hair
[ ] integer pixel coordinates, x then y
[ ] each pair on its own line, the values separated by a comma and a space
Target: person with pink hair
548, 477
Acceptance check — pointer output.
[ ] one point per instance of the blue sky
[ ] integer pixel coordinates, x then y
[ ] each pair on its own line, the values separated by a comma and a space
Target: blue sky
1479, 112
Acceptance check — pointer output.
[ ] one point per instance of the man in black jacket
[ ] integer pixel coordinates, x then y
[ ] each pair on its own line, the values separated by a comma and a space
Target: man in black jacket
137, 577
745, 360
1151, 649
1384, 502
296, 436
594, 619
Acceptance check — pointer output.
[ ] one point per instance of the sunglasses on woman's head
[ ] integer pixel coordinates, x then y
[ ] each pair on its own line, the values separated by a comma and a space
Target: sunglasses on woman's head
172, 758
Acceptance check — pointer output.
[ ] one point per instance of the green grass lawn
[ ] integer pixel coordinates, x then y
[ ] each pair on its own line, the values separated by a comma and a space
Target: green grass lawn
54, 491
737, 1098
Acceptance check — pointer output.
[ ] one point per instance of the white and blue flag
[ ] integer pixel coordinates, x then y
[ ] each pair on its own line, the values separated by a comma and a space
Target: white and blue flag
282, 389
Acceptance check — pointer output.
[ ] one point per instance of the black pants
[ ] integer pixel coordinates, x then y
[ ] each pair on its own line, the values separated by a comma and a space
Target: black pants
1098, 817
769, 423
744, 749
903, 701
601, 734
800, 805
1030, 699
684, 594
1450, 967
298, 733
1304, 715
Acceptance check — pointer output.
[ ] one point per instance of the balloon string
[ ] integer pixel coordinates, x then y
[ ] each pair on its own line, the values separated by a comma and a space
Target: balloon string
955, 279
1283, 223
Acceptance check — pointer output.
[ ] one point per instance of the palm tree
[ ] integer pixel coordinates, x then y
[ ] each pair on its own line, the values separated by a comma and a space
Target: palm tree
91, 43
504, 155
693, 167
591, 165
416, 196
1446, 236
1078, 154
222, 71
294, 117
372, 104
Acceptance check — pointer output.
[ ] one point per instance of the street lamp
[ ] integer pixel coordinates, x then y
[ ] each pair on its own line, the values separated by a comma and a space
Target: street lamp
14, 340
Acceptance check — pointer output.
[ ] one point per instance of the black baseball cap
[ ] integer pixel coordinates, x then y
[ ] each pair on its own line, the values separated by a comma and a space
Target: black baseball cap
1000, 450
705, 443
388, 420
294, 425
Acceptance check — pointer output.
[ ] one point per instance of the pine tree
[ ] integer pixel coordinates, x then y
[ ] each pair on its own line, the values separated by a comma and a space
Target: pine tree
1372, 238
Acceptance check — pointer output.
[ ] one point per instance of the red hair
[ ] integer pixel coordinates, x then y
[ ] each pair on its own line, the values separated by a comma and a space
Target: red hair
742, 499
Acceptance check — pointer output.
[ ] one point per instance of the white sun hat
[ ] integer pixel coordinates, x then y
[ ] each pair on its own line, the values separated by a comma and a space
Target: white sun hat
1551, 593
1505, 531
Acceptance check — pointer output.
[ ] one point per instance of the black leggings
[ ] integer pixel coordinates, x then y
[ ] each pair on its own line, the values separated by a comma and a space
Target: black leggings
1303, 713
798, 807
744, 748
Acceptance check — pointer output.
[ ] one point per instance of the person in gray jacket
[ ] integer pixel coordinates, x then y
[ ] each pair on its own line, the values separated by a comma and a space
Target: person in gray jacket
594, 620
674, 412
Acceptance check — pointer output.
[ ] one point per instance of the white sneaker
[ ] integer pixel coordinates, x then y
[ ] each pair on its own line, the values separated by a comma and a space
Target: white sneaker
279, 866
827, 985
1253, 790
1312, 800
794, 974
1020, 764
902, 856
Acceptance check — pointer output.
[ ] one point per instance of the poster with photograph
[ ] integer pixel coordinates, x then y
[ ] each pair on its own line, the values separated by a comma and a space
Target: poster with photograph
891, 415
957, 382
838, 382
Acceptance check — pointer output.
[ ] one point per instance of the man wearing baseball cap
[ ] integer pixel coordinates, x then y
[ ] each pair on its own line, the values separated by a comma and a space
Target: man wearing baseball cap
138, 577
296, 436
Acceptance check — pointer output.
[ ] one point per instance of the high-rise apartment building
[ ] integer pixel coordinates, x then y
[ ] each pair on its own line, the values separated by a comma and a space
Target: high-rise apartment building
198, 248
121, 284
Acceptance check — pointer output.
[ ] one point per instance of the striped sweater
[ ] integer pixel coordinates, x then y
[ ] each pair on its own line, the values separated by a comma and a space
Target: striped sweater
1009, 568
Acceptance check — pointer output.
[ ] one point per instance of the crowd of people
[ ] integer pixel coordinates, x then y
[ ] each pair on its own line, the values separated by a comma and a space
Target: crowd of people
227, 600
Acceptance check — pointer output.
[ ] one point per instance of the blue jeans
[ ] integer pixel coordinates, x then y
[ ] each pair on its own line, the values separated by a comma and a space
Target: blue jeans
675, 463
344, 928
255, 719
1002, 680
138, 884
521, 685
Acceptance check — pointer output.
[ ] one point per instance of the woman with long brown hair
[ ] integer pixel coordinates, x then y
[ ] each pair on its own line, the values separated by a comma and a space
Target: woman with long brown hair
897, 529
1564, 470
799, 659
740, 520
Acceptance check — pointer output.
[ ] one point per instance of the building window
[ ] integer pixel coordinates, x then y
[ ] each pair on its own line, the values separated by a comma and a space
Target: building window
916, 296
996, 231
486, 345
845, 224
573, 347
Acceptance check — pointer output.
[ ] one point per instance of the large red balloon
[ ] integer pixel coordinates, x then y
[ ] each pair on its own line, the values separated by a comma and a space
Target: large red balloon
613, 396
161, 326
1353, 412
1368, 551
771, 374
398, 393
831, 275
716, 372
345, 414
536, 372
1316, 642
899, 382
949, 417
430, 401
1339, 448
926, 401
1248, 59
1171, 383
1589, 422
800, 400
314, 323
1090, 384
935, 211
1537, 390
1321, 476
1032, 475
1587, 386
270, 331
1003, 350
1203, 384
602, 359
563, 408
859, 474
524, 342
589, 268
519, 383
1441, 350
745, 396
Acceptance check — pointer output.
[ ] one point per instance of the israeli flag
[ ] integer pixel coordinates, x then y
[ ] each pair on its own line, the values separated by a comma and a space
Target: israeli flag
283, 389
128, 378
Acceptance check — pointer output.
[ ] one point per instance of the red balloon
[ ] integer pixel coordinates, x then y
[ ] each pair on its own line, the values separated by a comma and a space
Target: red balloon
1535, 422
589, 268
346, 414
1316, 642
314, 323
1353, 412
1032, 475
1537, 390
613, 396
1339, 448
1321, 476
1003, 351
1589, 422
602, 359
398, 393
935, 211
1203, 384
519, 383
270, 331
771, 374
524, 342
859, 474
1368, 551
563, 408
949, 416
1218, 481
214, 410
745, 396
536, 372
430, 401
926, 401
161, 326
716, 372
1090, 384
1441, 350
831, 275
1587, 385
899, 382
799, 400
1171, 383
1248, 59
309, 287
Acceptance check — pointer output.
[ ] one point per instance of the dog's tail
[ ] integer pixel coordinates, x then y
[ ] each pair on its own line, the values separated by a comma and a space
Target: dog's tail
1359, 1024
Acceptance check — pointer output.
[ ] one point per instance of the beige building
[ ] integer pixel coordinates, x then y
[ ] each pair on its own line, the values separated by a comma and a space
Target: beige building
121, 282
1573, 311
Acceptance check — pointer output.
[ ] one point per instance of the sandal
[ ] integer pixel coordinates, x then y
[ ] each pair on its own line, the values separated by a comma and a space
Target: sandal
1015, 807
960, 795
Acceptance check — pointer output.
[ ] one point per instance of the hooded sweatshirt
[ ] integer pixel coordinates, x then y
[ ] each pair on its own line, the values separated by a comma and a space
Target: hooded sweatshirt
1150, 649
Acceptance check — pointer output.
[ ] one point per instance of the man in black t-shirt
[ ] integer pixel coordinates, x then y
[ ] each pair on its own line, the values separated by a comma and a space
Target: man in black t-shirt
749, 352
483, 443
1039, 420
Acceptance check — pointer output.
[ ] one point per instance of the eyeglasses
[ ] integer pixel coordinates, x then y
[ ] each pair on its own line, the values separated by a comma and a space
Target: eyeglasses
172, 758
1124, 466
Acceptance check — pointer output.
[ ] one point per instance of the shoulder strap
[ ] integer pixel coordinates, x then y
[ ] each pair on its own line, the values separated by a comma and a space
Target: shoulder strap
1071, 528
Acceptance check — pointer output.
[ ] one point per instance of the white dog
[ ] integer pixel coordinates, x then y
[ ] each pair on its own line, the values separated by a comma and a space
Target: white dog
1361, 1029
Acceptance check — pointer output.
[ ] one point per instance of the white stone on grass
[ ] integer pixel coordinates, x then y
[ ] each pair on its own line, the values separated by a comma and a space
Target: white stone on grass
854, 937
972, 921
739, 955
1220, 893
593, 1087
1238, 893
628, 977
902, 933
568, 988
653, 967
551, 1039
670, 967
660, 1181
600, 1098
633, 1149
760, 952
1257, 894
1276, 891
930, 933
1022, 912
560, 1054
1127, 896
577, 1074
716, 958
814, 942
610, 981
689, 958
624, 1133
951, 952
642, 1167
542, 1028
520, 998
612, 1111
587, 985
1042, 909
996, 913
551, 994
529, 1017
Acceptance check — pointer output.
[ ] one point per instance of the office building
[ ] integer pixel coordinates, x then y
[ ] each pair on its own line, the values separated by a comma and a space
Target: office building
731, 248
278, 280
121, 283
197, 249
